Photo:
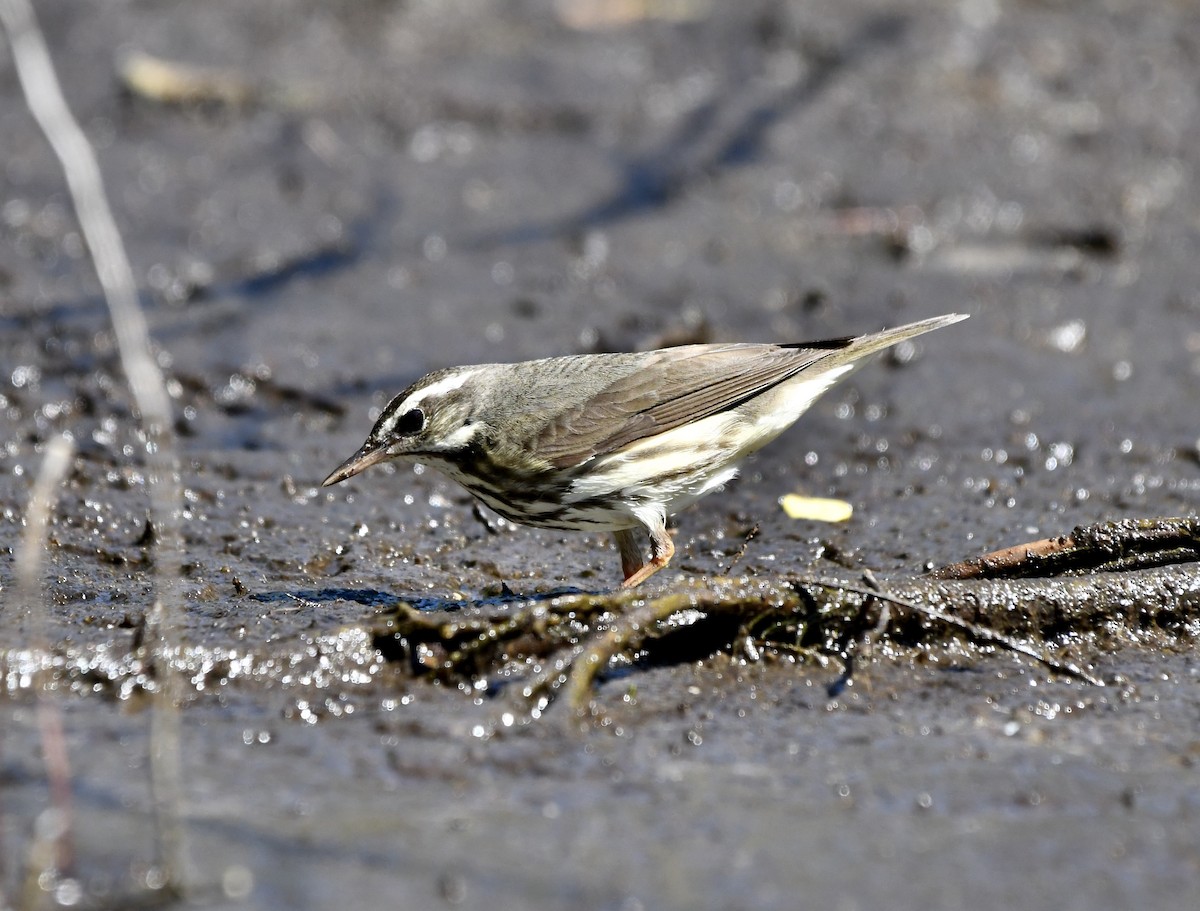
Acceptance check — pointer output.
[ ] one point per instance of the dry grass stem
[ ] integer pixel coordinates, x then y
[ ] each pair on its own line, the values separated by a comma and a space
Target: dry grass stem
35, 70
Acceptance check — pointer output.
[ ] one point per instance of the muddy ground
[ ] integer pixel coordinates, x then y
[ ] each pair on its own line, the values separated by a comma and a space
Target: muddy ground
368, 191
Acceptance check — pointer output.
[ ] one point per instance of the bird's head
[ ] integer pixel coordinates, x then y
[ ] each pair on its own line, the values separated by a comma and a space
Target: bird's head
438, 416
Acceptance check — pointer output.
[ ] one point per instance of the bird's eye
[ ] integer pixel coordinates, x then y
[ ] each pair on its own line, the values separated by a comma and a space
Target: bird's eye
412, 421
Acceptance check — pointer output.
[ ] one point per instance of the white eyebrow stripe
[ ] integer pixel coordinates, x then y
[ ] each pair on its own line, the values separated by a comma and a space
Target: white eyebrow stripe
441, 387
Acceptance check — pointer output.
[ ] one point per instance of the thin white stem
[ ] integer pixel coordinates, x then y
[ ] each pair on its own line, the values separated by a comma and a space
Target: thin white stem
48, 106
50, 848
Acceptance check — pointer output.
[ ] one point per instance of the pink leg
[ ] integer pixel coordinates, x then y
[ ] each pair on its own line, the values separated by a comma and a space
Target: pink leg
662, 549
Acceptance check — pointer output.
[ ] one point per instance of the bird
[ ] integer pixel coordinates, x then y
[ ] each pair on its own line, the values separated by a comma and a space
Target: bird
612, 442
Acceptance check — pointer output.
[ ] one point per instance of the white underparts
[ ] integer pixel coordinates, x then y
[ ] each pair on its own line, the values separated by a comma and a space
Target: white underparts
779, 408
670, 471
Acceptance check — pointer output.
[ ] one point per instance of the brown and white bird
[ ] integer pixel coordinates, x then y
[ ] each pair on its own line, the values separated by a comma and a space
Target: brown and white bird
612, 442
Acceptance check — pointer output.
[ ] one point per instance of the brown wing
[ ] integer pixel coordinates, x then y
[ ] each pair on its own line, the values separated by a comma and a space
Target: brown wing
673, 387
677, 385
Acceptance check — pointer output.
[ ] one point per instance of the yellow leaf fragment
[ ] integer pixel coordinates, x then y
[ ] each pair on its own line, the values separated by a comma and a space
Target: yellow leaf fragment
815, 509
169, 82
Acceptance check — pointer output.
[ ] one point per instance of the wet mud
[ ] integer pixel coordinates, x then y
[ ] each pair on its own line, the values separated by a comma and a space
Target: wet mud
346, 196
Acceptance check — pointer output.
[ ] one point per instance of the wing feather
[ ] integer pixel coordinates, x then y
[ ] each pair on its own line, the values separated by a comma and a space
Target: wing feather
674, 386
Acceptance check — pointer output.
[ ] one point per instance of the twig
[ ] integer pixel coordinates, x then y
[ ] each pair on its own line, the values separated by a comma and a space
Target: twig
974, 630
583, 633
48, 106
741, 551
580, 669
51, 847
865, 640
1105, 546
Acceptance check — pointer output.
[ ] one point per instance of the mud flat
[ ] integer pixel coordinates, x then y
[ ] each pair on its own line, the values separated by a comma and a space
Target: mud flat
346, 196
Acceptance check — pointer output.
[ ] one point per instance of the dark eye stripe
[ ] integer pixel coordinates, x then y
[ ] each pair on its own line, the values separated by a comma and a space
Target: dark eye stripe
412, 421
